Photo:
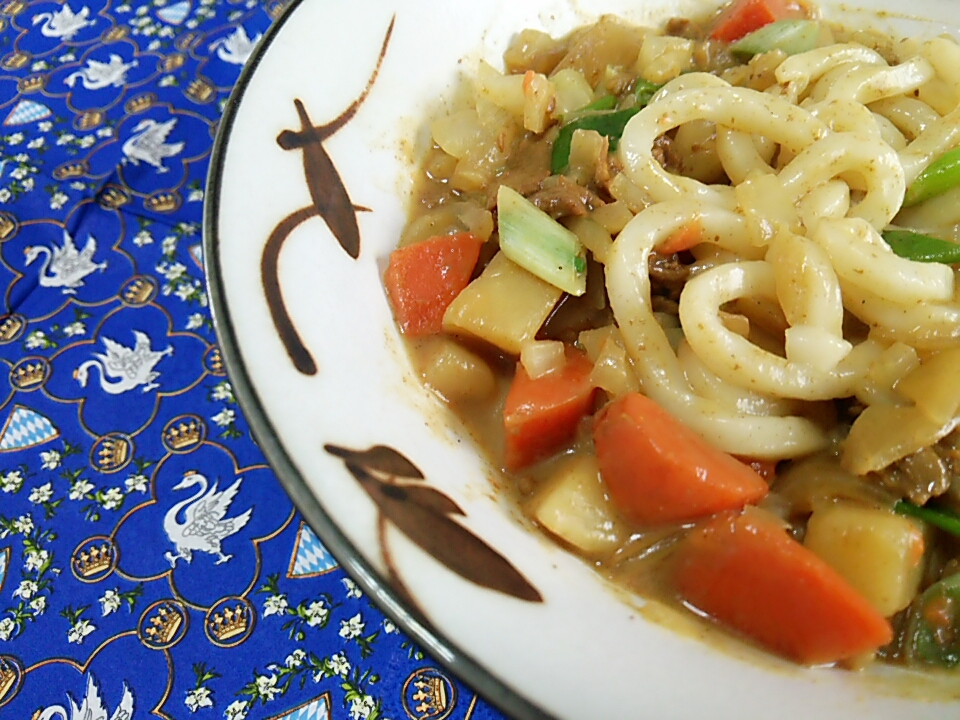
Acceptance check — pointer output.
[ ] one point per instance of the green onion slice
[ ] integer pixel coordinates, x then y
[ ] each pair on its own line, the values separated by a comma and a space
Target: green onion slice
790, 36
609, 123
940, 517
941, 175
922, 248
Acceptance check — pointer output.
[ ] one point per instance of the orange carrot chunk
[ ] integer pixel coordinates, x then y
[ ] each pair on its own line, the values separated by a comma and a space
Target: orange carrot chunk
742, 17
660, 471
749, 574
424, 278
682, 239
540, 416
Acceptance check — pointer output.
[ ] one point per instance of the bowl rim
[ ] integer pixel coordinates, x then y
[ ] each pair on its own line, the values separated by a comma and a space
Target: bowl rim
439, 647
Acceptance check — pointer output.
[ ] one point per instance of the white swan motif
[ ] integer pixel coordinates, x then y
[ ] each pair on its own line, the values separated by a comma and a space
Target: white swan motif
67, 265
97, 75
129, 367
205, 527
63, 23
92, 707
150, 144
236, 47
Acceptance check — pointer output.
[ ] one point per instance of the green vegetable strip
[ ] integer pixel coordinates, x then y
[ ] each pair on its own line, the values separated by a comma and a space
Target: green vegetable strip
645, 91
607, 102
922, 248
942, 518
610, 124
790, 36
941, 175
539, 244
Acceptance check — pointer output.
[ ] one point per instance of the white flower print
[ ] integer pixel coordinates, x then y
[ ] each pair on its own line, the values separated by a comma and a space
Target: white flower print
267, 686
136, 483
58, 200
110, 602
154, 45
5, 195
142, 238
185, 291
195, 196
79, 631
352, 590
339, 664
173, 270
66, 139
169, 245
41, 494
11, 482
80, 488
86, 141
36, 143
78, 185
15, 139
351, 628
18, 173
295, 659
38, 66
35, 339
316, 613
225, 417
167, 81
361, 707
21, 157
7, 627
275, 605
237, 710
105, 132
198, 698
45, 125
194, 321
27, 184
35, 559
49, 459
112, 498
74, 329
27, 589
389, 627
23, 524
38, 604
223, 390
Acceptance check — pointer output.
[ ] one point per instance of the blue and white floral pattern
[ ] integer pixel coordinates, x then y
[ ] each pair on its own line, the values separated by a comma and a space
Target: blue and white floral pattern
117, 404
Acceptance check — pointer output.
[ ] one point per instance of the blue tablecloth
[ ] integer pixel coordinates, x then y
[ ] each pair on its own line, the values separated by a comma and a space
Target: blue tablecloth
118, 425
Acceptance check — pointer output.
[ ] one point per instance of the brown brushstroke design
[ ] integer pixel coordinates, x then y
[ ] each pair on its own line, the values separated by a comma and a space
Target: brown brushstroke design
331, 201
423, 514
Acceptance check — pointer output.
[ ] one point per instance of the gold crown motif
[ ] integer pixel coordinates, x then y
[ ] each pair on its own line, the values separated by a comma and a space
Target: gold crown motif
12, 8
34, 83
15, 60
163, 202
184, 434
89, 120
28, 374
199, 90
113, 453
71, 170
94, 561
164, 625
8, 677
140, 103
173, 62
117, 32
275, 8
7, 226
431, 695
10, 327
216, 361
230, 624
186, 41
138, 291
113, 196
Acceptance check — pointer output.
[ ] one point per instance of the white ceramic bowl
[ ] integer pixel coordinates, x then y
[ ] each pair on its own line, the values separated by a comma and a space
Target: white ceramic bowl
549, 637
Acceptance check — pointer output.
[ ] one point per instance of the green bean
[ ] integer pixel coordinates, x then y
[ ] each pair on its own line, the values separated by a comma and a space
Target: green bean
790, 36
940, 517
941, 175
610, 124
922, 248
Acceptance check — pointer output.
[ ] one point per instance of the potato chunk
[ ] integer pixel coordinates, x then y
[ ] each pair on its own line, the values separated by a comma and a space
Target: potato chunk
878, 552
456, 373
504, 306
574, 506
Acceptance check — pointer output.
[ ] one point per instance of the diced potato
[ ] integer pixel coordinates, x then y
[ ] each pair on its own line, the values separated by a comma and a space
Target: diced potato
541, 357
593, 236
573, 91
608, 42
534, 50
504, 306
631, 195
662, 57
935, 385
573, 505
503, 90
877, 551
540, 98
457, 133
456, 373
592, 340
613, 216
613, 372
586, 150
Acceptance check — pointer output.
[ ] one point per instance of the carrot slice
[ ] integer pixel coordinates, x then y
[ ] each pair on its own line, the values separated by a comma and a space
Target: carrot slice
424, 278
683, 239
660, 471
541, 415
749, 574
767, 469
744, 16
